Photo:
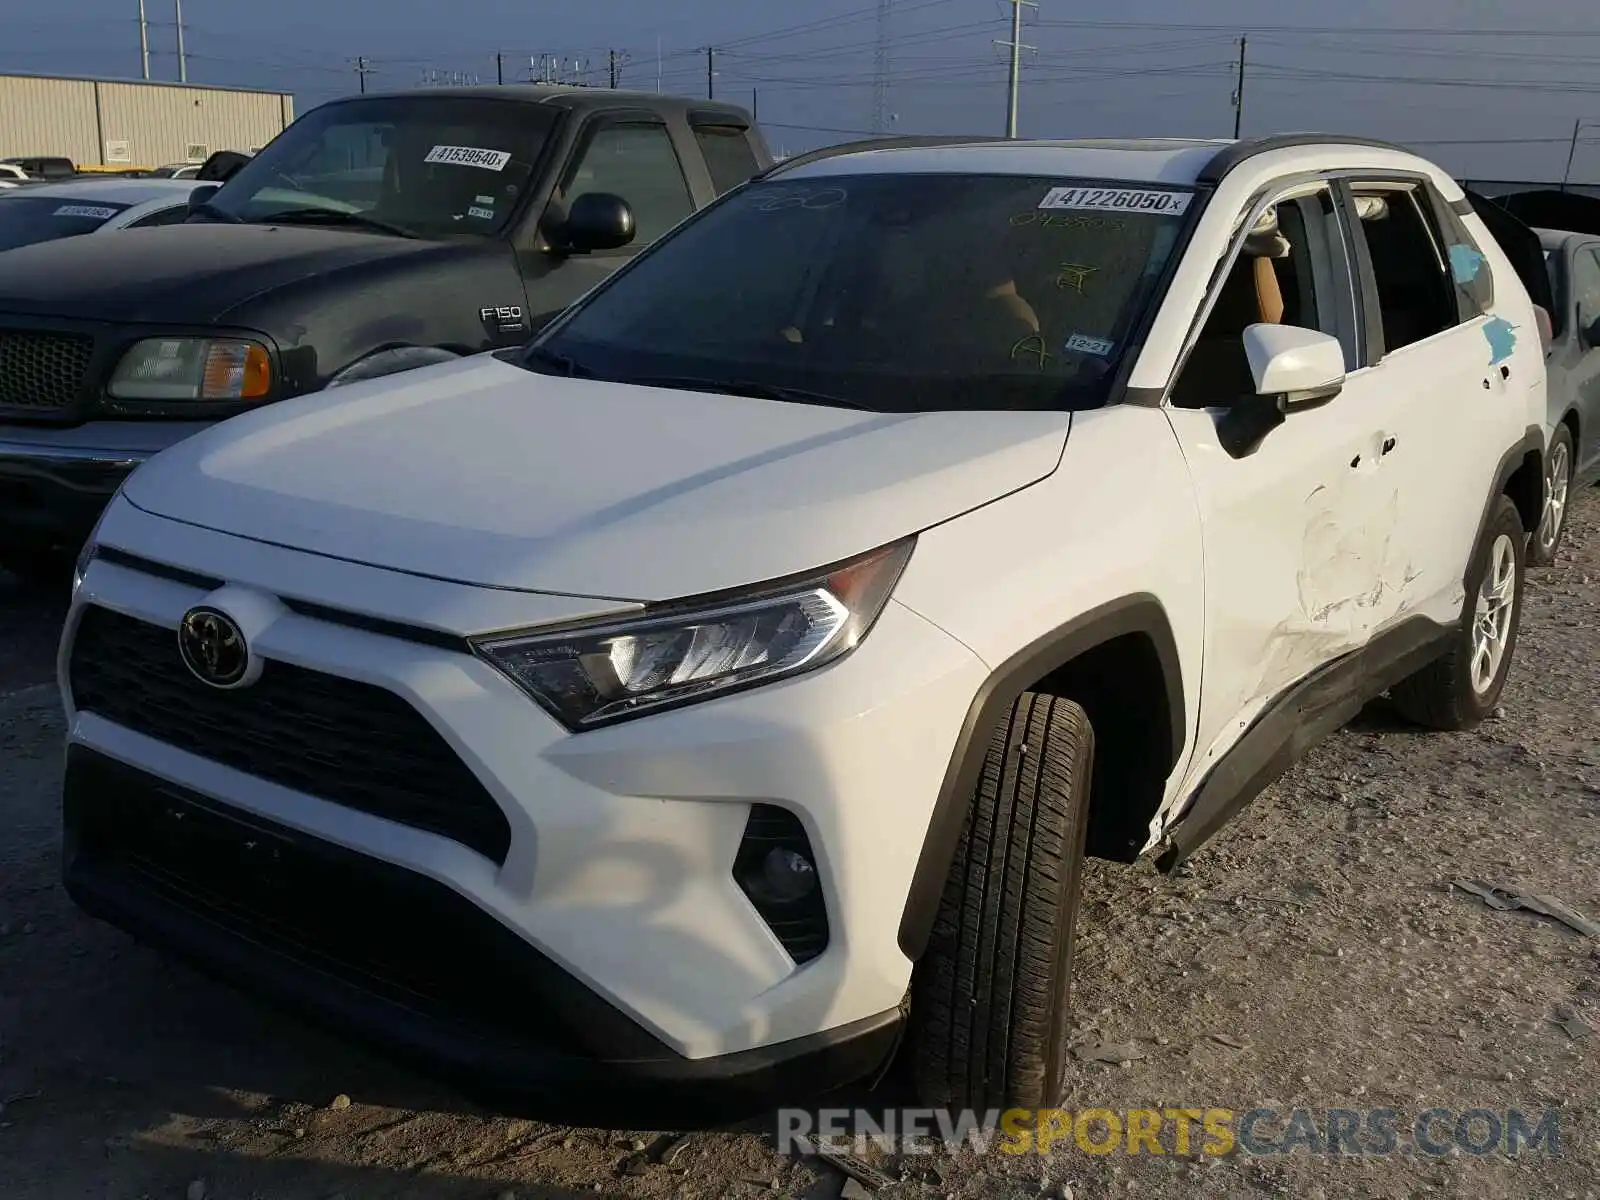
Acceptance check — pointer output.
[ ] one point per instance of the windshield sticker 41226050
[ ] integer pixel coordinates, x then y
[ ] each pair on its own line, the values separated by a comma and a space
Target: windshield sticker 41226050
1098, 199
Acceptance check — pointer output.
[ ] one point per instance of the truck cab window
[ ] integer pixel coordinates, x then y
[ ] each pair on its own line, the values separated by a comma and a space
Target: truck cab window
728, 155
638, 163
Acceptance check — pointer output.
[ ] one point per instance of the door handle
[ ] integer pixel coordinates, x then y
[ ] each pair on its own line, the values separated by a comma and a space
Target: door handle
1388, 445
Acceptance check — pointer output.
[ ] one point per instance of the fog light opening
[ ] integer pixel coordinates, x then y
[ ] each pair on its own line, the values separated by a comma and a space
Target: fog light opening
777, 871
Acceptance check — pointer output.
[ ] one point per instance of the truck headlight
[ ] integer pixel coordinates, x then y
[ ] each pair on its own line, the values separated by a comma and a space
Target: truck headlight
686, 651
192, 368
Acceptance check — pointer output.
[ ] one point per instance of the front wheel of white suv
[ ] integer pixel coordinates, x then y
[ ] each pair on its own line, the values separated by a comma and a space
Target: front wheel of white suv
1460, 689
990, 998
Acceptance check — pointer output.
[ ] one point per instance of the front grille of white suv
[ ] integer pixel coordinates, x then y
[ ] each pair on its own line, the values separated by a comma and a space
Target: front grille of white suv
334, 738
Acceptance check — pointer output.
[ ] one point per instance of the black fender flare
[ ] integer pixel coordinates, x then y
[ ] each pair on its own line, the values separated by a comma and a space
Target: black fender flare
1510, 463
1140, 613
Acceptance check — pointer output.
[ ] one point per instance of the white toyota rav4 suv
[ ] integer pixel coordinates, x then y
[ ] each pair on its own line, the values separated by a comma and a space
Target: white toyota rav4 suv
708, 700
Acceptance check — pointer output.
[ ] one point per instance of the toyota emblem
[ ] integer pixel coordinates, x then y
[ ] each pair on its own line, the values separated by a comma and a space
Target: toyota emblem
213, 647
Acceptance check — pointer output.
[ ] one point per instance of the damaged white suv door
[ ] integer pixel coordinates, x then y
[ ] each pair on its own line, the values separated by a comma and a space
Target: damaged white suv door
1295, 522
1330, 522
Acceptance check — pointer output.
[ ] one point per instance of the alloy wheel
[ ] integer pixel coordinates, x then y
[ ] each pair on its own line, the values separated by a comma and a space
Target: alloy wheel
1491, 626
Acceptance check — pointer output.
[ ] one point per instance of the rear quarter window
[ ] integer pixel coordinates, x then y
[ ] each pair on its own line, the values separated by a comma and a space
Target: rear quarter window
1469, 268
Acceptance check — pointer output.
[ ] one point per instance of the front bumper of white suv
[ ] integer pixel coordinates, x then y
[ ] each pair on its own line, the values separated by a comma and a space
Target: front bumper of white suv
385, 832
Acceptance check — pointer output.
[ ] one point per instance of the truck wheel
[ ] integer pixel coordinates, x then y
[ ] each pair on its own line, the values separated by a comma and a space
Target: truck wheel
1546, 539
989, 998
1461, 688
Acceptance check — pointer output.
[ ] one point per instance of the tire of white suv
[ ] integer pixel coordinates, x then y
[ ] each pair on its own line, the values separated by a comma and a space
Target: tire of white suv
1460, 689
990, 997
1546, 539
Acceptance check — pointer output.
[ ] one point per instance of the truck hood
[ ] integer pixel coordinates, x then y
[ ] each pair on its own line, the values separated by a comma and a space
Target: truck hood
183, 274
479, 472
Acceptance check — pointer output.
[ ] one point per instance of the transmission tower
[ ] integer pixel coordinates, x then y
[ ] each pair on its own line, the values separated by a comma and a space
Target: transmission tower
881, 66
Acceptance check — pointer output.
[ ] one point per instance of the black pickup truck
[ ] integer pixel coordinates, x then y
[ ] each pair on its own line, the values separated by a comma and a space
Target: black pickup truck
375, 234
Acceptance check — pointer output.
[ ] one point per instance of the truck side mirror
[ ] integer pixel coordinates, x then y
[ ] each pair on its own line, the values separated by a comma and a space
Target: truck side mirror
201, 194
597, 221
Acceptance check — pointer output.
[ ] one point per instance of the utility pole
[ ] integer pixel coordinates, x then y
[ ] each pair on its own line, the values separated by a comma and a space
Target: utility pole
183, 60
1572, 152
711, 72
613, 55
362, 71
1238, 91
881, 66
499, 68
755, 105
1016, 47
144, 43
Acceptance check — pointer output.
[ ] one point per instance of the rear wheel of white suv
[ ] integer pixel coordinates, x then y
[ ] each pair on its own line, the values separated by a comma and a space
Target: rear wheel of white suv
1462, 688
990, 997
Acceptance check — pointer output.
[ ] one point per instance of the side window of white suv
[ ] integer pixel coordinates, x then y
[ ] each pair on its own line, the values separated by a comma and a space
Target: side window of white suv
1285, 274
1410, 265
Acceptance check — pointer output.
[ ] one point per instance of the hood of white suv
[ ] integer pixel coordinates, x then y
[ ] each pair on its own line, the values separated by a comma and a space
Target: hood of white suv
482, 473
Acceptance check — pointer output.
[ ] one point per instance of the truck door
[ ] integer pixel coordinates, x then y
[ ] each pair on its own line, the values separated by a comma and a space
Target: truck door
629, 155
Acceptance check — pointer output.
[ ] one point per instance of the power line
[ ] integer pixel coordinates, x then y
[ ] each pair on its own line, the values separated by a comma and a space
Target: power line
1367, 31
851, 17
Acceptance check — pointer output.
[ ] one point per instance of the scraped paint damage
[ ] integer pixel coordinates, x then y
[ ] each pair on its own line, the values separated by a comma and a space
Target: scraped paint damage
1349, 579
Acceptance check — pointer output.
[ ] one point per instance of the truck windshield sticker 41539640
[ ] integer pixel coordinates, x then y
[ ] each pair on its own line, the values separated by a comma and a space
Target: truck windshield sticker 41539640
1100, 199
469, 156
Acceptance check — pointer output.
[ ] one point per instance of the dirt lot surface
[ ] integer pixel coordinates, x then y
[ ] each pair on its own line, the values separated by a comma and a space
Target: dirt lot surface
1314, 956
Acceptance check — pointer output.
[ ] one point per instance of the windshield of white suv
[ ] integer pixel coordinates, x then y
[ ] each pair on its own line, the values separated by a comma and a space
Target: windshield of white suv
26, 219
423, 166
894, 293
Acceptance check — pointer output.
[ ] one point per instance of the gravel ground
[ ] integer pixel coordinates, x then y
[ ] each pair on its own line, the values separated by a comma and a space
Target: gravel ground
1313, 956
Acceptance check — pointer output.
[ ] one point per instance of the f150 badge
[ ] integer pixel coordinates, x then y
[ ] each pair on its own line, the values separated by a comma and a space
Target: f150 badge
504, 318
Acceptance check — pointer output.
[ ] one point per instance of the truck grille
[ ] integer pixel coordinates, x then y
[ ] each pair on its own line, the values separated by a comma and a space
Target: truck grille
42, 372
351, 743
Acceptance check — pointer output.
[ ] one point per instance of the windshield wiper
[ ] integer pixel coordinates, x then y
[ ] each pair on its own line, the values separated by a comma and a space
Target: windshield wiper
207, 209
333, 216
744, 387
535, 356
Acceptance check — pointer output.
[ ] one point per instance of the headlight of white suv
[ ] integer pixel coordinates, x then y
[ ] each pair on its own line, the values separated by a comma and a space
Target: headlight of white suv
192, 368
692, 650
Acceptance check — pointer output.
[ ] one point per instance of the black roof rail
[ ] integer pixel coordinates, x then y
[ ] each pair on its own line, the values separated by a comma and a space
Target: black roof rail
911, 141
1231, 156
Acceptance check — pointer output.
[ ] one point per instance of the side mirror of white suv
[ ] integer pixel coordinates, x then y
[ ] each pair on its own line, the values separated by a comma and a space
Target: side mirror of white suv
1294, 369
1301, 368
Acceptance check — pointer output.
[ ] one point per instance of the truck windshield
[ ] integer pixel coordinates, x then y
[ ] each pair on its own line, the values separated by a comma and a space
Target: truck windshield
26, 219
433, 166
894, 293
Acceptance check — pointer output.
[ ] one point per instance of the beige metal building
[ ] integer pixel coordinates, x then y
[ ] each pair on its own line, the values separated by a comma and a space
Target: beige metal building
117, 123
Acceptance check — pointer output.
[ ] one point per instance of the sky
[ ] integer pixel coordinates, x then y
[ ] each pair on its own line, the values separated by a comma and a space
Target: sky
1488, 88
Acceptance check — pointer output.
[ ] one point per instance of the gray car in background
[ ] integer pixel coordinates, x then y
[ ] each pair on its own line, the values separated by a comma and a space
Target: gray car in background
1568, 224
1573, 367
